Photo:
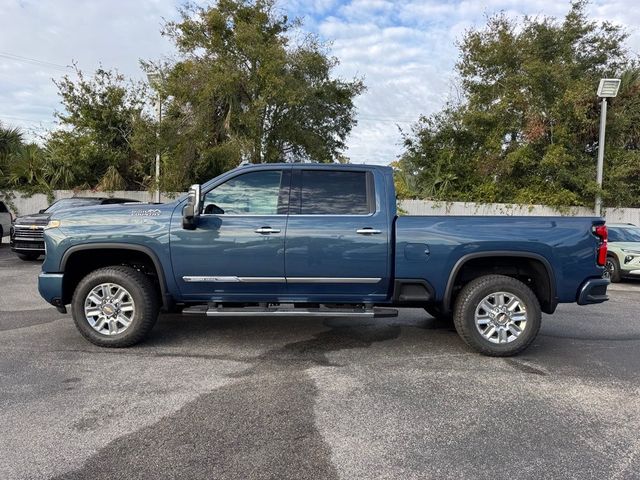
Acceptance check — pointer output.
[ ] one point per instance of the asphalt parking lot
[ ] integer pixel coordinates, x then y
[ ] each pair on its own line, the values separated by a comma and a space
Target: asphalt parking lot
310, 399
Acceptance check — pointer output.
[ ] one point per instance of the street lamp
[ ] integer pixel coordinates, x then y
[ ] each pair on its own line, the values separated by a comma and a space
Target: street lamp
608, 88
154, 80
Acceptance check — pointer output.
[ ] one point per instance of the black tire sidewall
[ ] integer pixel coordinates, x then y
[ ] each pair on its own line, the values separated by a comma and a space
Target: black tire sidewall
141, 291
471, 296
28, 257
614, 276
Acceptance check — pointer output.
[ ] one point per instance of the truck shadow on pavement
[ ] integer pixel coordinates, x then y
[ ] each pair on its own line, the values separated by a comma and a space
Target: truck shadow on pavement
260, 426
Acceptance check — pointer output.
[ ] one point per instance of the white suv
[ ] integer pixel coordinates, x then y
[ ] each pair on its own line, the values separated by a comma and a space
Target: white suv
5, 221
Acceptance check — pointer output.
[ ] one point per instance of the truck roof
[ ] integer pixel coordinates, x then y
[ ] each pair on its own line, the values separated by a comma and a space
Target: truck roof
346, 166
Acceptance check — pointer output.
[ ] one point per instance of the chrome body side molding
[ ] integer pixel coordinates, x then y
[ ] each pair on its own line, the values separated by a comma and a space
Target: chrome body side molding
234, 279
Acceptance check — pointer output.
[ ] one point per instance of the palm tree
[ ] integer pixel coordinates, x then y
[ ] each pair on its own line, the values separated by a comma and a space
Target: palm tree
26, 167
10, 143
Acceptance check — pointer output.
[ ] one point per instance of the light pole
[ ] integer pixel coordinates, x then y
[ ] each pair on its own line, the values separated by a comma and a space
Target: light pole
154, 80
608, 88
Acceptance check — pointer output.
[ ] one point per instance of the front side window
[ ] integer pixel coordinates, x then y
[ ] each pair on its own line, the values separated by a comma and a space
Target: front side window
326, 192
254, 193
3, 209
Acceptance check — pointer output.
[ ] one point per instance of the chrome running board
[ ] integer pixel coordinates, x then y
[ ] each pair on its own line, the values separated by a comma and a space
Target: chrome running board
289, 310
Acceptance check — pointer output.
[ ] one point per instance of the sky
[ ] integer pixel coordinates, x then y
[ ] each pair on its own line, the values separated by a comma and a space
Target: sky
405, 51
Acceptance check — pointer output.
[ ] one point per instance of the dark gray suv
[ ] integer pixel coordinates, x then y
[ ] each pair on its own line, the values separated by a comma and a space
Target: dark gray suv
27, 233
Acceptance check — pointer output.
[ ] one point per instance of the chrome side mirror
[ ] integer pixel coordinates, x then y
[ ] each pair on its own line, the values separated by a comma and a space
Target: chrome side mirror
191, 210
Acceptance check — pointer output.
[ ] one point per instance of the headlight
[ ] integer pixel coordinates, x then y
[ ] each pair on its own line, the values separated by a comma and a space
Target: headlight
632, 252
53, 224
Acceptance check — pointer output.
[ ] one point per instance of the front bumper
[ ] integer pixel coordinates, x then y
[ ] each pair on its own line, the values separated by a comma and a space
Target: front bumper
27, 239
50, 288
631, 273
593, 291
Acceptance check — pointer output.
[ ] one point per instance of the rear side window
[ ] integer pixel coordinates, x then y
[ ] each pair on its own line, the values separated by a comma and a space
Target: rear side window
3, 208
624, 234
325, 192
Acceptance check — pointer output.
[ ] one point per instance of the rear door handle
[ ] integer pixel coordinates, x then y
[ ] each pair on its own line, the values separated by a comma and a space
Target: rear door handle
368, 231
267, 230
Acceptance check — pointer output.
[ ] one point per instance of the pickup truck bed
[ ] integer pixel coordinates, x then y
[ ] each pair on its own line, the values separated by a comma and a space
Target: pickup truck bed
296, 239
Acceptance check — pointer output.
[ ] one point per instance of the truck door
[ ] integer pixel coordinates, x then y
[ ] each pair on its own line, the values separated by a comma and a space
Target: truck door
337, 236
237, 248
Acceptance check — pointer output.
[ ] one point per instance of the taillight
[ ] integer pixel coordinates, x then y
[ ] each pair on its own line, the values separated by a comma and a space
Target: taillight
602, 233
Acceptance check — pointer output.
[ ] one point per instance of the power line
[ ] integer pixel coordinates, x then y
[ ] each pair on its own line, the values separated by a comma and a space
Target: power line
35, 61
22, 119
374, 118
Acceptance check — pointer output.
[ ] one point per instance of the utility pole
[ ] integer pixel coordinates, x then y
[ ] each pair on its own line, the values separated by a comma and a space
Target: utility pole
154, 80
159, 110
608, 88
603, 126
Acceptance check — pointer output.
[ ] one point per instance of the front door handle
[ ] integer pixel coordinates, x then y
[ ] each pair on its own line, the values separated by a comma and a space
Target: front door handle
368, 231
267, 230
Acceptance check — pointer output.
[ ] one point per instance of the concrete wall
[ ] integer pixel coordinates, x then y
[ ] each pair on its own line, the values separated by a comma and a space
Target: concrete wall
36, 202
426, 207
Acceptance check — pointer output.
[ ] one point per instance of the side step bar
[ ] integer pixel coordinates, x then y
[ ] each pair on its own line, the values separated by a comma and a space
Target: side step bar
288, 310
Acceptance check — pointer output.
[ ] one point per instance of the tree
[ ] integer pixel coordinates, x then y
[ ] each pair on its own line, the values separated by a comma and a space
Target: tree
94, 148
527, 128
242, 89
10, 144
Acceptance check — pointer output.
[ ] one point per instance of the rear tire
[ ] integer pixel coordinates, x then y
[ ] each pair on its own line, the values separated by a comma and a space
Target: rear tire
497, 315
115, 306
28, 257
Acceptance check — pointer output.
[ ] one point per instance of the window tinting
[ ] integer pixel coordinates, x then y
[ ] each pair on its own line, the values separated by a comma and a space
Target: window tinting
334, 193
254, 193
3, 209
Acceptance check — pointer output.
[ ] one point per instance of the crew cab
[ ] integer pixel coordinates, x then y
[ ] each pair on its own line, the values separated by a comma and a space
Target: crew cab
316, 240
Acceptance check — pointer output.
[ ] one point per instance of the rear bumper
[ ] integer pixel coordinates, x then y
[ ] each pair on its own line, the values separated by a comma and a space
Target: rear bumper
593, 291
50, 287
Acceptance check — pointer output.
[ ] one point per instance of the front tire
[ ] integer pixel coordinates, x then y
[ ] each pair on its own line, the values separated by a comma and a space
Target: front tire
612, 269
115, 306
497, 315
28, 257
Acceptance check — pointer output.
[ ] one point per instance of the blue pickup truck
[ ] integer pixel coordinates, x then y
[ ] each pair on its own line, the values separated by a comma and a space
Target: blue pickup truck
316, 240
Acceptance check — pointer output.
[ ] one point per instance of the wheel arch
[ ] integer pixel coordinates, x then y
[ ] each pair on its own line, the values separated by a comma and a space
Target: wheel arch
539, 266
103, 254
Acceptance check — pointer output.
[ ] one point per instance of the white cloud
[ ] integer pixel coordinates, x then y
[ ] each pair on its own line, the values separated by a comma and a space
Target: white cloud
404, 49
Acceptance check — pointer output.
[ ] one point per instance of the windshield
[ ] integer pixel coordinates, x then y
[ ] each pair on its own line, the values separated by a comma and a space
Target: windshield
71, 203
624, 234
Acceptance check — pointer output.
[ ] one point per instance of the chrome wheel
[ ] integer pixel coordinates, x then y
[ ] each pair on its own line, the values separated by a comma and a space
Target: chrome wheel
501, 317
109, 308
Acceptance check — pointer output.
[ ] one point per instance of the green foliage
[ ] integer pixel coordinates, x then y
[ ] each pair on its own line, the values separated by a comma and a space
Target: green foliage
240, 88
243, 89
21, 164
10, 144
527, 129
94, 148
